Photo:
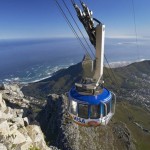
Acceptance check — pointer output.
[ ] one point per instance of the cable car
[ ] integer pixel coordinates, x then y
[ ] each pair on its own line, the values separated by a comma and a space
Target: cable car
91, 110
91, 104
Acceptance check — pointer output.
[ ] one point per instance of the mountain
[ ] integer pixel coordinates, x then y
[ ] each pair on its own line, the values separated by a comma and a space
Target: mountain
129, 81
18, 128
60, 82
128, 130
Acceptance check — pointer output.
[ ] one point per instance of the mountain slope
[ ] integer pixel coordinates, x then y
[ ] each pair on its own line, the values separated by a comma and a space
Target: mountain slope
60, 82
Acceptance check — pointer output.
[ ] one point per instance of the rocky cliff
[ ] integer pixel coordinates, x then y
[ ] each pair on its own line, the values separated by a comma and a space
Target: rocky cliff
121, 133
18, 128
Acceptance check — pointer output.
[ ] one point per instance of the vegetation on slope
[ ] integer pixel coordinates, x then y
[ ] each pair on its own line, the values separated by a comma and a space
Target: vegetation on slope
133, 116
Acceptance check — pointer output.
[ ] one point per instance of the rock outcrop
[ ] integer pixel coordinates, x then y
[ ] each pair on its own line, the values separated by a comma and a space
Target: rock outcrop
18, 128
66, 135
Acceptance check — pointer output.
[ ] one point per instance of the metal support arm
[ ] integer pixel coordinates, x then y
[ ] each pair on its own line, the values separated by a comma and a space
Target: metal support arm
87, 20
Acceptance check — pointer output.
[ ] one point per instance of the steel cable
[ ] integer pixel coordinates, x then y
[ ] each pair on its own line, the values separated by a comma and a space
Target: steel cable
72, 28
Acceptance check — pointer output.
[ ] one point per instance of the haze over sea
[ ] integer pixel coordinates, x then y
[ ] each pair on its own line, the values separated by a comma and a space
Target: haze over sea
30, 60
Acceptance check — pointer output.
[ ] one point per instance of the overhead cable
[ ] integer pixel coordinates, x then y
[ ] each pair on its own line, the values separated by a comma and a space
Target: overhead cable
72, 28
116, 82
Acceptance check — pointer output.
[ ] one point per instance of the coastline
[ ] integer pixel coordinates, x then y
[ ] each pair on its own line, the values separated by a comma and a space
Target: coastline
118, 64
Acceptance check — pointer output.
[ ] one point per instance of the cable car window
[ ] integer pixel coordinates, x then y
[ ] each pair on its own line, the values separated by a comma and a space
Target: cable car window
95, 112
73, 107
108, 109
83, 111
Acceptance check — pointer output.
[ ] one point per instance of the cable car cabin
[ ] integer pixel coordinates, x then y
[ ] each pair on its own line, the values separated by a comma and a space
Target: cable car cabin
89, 103
87, 109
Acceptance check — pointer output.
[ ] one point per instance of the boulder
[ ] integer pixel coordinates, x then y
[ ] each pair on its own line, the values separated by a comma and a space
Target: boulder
13, 89
25, 146
8, 110
18, 137
14, 112
5, 116
2, 103
2, 146
37, 137
18, 121
4, 127
13, 128
26, 135
19, 112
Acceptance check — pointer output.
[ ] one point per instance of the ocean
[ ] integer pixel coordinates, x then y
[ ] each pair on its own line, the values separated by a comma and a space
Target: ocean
31, 60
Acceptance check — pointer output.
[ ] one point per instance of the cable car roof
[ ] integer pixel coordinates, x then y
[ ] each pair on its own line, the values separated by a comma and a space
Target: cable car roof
105, 96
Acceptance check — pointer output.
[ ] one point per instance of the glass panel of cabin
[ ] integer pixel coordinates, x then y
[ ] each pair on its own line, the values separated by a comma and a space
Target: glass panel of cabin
108, 109
95, 112
73, 107
112, 104
83, 111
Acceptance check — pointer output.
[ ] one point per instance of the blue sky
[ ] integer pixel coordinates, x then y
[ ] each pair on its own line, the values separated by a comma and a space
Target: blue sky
42, 19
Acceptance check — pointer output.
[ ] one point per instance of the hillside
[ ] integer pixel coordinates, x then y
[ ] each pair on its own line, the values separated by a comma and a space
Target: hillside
128, 130
60, 82
130, 81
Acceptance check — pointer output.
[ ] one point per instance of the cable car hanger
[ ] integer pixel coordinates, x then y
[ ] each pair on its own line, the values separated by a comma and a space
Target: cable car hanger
87, 20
